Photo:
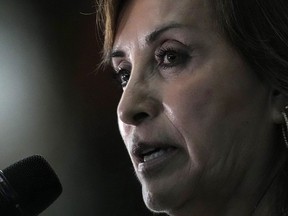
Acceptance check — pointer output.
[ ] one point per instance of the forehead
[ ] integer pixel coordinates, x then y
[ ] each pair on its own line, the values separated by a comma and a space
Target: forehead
139, 18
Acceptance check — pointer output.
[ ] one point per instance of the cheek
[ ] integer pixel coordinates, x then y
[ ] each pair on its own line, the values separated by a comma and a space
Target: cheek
191, 109
188, 107
205, 114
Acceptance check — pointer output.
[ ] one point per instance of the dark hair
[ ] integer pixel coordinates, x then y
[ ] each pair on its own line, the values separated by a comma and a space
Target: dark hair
107, 15
257, 29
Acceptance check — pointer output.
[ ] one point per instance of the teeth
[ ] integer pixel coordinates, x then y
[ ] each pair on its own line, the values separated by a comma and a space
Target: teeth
154, 155
148, 151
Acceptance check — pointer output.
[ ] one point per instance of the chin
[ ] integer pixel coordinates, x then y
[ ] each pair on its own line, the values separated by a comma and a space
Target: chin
160, 201
168, 189
154, 202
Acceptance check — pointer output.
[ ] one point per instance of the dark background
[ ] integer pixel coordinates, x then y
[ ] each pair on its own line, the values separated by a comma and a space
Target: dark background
55, 103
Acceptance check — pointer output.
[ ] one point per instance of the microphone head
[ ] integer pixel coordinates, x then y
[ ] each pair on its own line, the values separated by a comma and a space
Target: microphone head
35, 183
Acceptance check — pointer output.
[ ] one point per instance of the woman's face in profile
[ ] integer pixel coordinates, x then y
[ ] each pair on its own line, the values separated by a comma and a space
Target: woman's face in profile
195, 119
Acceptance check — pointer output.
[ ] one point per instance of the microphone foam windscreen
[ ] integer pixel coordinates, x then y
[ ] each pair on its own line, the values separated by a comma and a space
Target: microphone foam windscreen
35, 183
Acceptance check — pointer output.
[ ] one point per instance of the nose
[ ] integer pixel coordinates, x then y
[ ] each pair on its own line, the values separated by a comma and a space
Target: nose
138, 104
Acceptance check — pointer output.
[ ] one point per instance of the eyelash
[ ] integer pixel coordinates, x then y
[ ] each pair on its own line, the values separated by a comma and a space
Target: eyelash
122, 75
162, 53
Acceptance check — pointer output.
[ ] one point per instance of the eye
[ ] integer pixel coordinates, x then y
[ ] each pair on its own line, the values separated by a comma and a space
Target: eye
122, 76
170, 57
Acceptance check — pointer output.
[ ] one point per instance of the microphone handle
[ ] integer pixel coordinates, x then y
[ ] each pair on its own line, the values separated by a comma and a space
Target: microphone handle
9, 205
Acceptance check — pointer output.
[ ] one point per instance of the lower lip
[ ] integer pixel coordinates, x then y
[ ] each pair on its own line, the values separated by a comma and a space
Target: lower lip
156, 164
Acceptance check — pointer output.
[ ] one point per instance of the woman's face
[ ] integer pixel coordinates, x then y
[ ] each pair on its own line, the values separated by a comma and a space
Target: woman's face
195, 119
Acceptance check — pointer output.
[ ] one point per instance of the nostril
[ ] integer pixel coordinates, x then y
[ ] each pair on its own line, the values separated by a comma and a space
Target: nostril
140, 116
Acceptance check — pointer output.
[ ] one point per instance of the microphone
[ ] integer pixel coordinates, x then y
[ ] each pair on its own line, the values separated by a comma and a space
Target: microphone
28, 187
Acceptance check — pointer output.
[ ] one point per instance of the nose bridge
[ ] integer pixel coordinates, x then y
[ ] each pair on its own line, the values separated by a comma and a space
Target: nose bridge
139, 99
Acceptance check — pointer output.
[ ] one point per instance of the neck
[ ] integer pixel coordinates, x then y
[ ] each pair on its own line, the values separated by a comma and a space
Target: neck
273, 200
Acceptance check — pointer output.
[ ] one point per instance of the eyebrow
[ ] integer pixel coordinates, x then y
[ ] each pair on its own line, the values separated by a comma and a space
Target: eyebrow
150, 38
153, 36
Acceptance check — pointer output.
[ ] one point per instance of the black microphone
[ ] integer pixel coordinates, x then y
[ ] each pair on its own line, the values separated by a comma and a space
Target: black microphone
28, 187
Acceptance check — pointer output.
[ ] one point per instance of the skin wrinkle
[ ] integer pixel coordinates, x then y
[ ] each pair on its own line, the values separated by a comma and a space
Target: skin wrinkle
183, 140
169, 115
177, 128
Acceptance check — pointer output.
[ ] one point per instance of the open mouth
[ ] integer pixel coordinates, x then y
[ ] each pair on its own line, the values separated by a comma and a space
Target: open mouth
150, 158
154, 153
146, 153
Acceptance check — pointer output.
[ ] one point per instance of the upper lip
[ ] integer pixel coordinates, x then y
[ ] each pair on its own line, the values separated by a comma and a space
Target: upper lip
140, 149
